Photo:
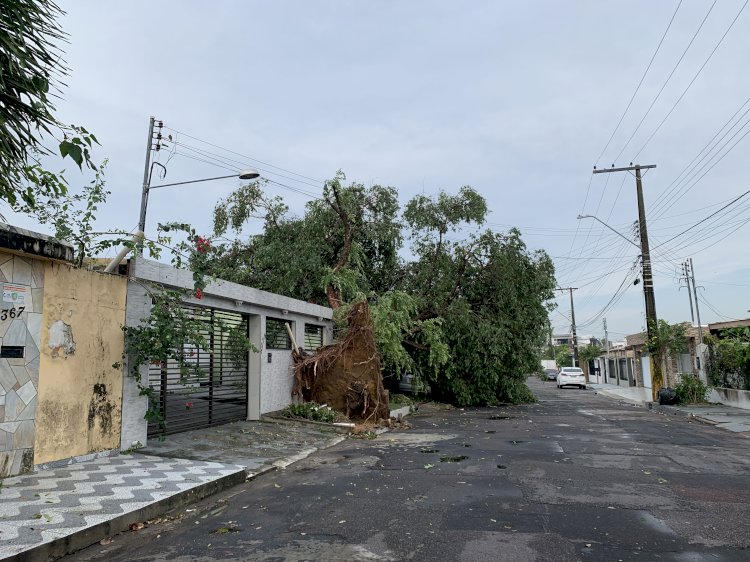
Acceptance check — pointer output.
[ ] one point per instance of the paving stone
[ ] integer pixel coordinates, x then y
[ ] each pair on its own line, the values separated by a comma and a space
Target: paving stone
23, 438
11, 402
90, 493
7, 376
16, 334
27, 392
29, 412
34, 324
22, 375
21, 271
37, 296
37, 274
7, 270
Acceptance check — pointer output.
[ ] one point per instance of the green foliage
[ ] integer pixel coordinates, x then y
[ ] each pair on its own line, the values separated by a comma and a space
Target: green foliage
563, 356
494, 323
666, 339
311, 411
691, 390
398, 330
728, 364
468, 316
31, 73
589, 352
346, 242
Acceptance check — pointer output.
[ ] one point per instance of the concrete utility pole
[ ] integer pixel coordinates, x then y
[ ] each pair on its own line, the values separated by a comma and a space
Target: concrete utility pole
146, 181
695, 294
648, 279
573, 326
701, 350
690, 296
606, 352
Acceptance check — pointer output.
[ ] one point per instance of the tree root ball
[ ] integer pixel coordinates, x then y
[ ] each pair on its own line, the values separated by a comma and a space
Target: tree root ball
346, 374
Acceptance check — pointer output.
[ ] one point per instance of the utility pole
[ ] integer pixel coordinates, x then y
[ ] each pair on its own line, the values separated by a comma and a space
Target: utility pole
690, 296
701, 362
146, 181
648, 280
573, 326
606, 352
695, 294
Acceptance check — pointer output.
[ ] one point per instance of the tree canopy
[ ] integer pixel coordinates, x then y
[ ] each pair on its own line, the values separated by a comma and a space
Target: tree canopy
31, 73
468, 315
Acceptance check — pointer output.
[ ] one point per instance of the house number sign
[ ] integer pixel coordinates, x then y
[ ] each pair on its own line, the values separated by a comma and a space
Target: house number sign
11, 313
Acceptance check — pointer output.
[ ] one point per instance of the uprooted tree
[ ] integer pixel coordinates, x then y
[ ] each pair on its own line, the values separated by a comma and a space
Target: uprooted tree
346, 374
467, 316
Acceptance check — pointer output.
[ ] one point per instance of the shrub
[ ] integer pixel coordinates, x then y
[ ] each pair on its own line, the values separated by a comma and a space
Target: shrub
691, 390
310, 411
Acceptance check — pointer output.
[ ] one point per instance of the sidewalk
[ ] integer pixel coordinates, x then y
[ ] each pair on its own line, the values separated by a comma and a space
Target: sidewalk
732, 419
53, 512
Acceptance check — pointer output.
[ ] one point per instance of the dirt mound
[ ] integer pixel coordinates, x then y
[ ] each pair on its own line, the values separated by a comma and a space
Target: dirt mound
346, 374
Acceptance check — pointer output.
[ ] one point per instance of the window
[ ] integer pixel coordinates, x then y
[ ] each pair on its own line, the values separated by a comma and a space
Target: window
276, 335
313, 337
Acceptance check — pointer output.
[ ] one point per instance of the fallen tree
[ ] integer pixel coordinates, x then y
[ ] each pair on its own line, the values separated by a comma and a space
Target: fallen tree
345, 375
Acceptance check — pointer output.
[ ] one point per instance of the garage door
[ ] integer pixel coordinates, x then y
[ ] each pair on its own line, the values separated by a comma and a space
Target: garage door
216, 392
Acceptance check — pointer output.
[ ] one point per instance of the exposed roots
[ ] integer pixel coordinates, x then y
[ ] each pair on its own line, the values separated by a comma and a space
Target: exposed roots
346, 374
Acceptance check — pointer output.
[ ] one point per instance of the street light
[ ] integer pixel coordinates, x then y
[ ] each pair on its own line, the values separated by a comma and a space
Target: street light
579, 217
249, 174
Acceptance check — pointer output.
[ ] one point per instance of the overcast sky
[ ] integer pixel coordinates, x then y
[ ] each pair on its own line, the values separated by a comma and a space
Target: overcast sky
517, 99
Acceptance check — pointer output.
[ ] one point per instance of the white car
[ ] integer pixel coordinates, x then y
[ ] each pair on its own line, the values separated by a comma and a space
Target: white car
571, 376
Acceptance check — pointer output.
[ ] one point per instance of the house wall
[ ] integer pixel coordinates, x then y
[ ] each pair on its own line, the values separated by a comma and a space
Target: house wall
19, 377
731, 397
269, 383
80, 392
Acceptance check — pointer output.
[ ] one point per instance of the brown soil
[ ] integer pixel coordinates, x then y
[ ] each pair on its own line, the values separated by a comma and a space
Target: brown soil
346, 374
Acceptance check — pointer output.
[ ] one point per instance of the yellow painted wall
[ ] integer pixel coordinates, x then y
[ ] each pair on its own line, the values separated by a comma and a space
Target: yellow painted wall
80, 394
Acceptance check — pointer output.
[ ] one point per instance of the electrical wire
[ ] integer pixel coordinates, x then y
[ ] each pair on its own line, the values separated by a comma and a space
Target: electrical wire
695, 77
674, 69
705, 219
242, 155
695, 162
640, 83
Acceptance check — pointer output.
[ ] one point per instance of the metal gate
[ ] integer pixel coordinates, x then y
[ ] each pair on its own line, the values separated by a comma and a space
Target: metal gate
215, 390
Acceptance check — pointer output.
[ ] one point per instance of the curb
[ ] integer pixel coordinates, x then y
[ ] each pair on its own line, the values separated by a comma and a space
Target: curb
299, 421
621, 398
675, 411
84, 538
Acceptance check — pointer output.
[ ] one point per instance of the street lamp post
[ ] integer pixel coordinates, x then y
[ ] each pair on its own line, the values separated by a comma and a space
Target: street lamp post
249, 174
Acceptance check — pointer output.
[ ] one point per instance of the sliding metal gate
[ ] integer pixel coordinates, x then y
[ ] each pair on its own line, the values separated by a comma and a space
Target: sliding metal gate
215, 391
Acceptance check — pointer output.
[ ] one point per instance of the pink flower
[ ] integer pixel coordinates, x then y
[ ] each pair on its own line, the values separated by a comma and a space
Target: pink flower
188, 405
202, 245
198, 293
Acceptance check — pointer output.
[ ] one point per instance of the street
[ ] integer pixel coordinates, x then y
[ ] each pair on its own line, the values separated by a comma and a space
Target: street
575, 477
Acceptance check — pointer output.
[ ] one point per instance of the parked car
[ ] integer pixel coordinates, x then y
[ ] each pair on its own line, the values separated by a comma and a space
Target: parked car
571, 376
550, 374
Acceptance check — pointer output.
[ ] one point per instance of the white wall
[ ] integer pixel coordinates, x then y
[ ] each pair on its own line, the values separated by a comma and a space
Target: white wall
270, 383
731, 397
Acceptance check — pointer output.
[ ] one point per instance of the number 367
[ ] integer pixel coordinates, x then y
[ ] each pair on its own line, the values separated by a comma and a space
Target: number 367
11, 313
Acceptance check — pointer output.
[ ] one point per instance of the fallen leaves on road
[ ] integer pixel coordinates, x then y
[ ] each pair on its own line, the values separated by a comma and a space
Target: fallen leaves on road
137, 526
106, 540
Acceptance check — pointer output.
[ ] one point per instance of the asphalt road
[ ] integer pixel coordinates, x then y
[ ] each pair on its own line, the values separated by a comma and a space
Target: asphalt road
575, 477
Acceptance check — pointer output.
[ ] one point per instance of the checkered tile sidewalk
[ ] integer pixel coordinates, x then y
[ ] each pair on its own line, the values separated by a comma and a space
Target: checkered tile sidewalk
50, 504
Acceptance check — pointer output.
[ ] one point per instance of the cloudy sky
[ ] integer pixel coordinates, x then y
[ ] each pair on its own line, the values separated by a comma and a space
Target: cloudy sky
517, 99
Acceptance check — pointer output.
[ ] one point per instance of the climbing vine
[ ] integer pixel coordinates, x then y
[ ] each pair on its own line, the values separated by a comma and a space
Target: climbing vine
172, 334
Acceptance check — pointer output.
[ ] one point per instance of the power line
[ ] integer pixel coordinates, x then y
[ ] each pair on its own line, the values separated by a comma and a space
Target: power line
640, 83
674, 69
704, 219
693, 164
648, 140
243, 155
